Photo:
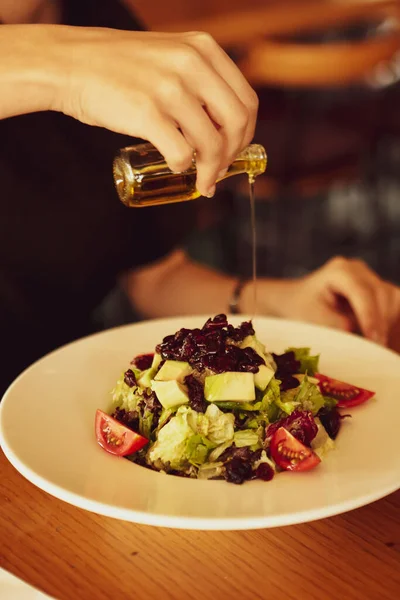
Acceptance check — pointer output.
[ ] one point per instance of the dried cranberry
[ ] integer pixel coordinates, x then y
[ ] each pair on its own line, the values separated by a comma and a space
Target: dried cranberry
288, 382
196, 395
217, 322
237, 471
239, 333
286, 364
143, 361
265, 472
211, 347
129, 378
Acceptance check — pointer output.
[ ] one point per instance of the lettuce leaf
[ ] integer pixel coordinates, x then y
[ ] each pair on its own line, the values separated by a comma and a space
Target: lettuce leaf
189, 437
308, 363
221, 425
172, 445
246, 437
309, 396
145, 423
275, 401
210, 470
125, 397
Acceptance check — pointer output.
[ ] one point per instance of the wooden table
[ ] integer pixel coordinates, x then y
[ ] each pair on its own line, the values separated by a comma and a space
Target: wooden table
76, 555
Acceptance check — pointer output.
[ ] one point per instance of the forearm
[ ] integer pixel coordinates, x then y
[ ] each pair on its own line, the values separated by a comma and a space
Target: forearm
31, 72
178, 286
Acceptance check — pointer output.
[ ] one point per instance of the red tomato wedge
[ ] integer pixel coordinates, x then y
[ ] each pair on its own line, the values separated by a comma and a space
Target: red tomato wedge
345, 393
290, 454
115, 438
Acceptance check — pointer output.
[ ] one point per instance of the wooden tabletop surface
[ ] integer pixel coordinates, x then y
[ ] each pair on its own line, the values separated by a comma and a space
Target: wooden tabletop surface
76, 555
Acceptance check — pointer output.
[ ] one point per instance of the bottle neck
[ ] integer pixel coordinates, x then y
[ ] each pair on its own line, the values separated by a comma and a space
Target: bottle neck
251, 161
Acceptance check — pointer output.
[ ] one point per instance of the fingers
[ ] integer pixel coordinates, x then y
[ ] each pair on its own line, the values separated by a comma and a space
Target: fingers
204, 127
212, 117
365, 293
179, 91
165, 136
246, 110
206, 140
224, 108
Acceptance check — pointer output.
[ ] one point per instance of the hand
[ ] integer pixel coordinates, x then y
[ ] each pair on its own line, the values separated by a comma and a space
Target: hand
179, 91
345, 294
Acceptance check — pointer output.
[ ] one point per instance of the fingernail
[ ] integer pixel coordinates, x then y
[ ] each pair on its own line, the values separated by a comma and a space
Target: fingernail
222, 173
210, 192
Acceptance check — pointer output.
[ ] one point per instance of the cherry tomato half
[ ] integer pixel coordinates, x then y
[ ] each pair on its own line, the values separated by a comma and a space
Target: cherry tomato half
345, 393
115, 438
290, 454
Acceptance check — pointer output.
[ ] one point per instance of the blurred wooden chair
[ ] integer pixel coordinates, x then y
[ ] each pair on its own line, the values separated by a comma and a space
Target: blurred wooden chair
255, 31
275, 59
272, 47
287, 60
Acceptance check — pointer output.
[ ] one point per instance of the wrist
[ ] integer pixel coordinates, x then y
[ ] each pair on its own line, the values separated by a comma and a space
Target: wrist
273, 296
31, 72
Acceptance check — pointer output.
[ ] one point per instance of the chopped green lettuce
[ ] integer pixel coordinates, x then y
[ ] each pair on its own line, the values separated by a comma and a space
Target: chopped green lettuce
124, 396
219, 450
309, 396
287, 402
166, 413
145, 423
238, 406
322, 443
171, 446
197, 450
210, 470
189, 436
308, 363
246, 437
270, 403
221, 425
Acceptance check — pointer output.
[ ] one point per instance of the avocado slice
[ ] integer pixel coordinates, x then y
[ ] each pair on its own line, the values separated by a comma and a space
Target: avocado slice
170, 393
157, 358
231, 386
252, 342
174, 370
263, 377
147, 375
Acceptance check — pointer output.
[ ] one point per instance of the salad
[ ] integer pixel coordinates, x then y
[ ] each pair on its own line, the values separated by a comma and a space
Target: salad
214, 403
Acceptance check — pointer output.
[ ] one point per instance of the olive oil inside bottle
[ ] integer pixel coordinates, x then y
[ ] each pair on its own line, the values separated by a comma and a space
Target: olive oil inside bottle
143, 178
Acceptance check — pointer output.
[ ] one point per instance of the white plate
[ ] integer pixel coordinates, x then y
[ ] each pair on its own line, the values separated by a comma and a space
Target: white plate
47, 433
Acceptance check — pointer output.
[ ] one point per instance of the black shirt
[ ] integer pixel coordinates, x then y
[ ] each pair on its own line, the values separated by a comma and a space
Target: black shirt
64, 235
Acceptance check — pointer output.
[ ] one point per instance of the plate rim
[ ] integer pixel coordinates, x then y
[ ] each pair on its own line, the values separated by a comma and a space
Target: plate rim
191, 523
184, 522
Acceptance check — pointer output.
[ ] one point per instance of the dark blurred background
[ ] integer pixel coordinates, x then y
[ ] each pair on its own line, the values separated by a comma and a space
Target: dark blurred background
328, 78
